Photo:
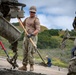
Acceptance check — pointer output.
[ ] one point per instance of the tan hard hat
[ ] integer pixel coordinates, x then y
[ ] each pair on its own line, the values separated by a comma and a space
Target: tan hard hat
32, 9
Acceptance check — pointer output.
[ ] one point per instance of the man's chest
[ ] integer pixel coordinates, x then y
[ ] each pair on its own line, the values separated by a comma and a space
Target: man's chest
30, 22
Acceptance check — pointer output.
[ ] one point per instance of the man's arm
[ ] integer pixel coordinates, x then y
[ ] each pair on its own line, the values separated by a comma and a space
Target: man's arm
37, 26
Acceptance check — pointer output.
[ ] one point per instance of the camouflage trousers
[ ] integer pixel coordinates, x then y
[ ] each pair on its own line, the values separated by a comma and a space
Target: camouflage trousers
72, 66
28, 50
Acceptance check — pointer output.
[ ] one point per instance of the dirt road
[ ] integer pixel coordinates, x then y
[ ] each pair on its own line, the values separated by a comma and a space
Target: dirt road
54, 70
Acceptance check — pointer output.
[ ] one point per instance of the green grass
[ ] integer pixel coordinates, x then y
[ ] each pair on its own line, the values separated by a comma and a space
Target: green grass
59, 57
58, 62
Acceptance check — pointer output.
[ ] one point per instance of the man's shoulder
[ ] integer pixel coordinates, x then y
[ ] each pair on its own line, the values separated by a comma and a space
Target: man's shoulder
36, 18
26, 18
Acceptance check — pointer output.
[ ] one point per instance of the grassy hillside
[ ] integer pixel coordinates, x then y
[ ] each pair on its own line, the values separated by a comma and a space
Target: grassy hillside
59, 57
42, 28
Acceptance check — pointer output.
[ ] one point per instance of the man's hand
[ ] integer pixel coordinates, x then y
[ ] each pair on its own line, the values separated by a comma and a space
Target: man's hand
30, 35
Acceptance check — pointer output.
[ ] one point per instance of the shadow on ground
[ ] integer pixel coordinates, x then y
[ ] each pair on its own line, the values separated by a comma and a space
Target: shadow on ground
4, 71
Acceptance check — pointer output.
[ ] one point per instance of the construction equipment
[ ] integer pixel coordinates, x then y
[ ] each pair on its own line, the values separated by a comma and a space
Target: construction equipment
13, 63
31, 40
14, 8
8, 30
4, 49
72, 62
65, 37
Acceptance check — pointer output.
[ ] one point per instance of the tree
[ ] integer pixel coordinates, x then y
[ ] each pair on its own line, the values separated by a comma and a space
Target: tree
46, 41
54, 32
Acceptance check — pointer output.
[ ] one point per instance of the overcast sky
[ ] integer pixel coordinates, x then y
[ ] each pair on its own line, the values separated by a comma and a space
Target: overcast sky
56, 14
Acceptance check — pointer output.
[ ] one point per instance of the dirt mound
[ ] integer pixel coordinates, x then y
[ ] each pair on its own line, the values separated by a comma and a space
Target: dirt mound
4, 71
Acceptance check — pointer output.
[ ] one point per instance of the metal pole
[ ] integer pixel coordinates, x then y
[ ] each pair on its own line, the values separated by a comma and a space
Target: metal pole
4, 49
6, 53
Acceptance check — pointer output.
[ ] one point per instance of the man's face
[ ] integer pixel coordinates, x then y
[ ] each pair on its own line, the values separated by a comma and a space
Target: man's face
32, 14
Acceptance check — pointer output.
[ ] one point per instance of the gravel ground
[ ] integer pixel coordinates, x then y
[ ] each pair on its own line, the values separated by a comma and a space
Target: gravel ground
39, 70
4, 71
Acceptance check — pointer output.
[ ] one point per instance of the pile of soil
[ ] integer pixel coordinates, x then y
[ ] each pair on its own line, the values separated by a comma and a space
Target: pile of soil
4, 71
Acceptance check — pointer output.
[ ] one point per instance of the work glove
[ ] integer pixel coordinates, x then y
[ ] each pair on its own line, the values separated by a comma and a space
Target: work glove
30, 35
